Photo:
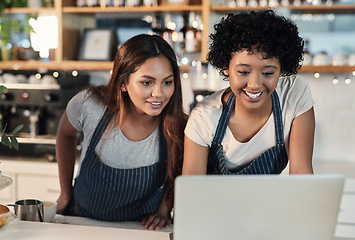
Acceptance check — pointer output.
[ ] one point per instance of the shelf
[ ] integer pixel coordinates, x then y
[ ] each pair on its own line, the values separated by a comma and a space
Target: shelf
86, 65
27, 65
108, 65
29, 10
336, 9
64, 65
132, 9
303, 8
227, 8
327, 69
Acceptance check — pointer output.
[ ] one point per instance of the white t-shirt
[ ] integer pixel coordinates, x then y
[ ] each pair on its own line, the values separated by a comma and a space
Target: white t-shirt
295, 98
84, 113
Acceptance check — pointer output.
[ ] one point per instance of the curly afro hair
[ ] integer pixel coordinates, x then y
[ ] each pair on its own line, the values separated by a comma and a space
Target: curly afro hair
271, 34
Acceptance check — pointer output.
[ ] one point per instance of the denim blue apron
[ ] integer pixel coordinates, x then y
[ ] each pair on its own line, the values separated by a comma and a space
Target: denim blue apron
113, 194
272, 161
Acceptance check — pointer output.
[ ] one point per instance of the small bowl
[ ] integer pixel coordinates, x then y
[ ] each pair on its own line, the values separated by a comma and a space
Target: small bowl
3, 218
321, 59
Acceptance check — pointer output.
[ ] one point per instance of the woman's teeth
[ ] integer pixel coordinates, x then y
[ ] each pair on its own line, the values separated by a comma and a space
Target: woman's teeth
156, 103
251, 95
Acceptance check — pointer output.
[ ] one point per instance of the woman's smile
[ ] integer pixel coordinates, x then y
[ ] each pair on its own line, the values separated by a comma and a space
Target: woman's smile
155, 104
253, 96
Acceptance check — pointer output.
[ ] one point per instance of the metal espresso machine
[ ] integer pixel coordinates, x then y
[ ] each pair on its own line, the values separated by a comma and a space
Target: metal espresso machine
38, 105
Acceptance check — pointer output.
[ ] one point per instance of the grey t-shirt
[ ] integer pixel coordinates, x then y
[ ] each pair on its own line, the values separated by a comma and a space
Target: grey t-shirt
85, 112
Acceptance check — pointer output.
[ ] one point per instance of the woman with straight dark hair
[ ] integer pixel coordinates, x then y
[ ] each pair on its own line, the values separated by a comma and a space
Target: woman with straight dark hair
133, 129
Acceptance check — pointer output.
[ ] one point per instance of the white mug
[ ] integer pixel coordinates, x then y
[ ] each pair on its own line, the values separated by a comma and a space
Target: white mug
321, 59
48, 80
34, 80
49, 210
339, 60
351, 59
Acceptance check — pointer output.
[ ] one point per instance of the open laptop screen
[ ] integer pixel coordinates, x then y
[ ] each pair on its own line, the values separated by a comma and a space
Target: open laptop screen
257, 207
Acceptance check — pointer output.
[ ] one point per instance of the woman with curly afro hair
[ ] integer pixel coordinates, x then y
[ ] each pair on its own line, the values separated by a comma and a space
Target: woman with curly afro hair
264, 120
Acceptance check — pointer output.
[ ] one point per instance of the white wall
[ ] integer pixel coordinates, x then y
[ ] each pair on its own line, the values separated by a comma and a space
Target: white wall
335, 117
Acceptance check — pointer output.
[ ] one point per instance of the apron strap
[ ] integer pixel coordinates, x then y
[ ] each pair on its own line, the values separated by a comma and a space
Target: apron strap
224, 119
100, 128
279, 127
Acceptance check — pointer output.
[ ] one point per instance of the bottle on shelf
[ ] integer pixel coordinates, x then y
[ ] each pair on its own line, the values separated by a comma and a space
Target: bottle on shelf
171, 34
48, 3
178, 37
156, 26
105, 3
169, 28
193, 33
307, 57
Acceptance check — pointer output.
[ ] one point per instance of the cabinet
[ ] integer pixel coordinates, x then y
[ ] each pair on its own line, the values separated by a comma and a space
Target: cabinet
32, 179
72, 18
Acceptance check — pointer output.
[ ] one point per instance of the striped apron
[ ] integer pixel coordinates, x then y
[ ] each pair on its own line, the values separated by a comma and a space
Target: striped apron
272, 161
113, 194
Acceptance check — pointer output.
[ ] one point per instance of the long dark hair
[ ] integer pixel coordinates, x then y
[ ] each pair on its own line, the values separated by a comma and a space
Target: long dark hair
130, 57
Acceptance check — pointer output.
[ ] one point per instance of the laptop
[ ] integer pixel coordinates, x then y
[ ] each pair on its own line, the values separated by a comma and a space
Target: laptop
257, 207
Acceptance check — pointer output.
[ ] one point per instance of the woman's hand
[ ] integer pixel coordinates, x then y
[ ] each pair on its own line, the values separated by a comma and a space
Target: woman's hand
155, 221
161, 218
62, 204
